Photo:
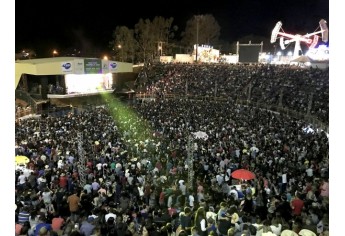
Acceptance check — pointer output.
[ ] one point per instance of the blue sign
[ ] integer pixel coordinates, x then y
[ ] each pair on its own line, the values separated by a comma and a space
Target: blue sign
113, 65
67, 65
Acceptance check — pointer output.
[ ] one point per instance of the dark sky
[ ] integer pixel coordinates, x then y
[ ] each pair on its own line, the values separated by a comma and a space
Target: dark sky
65, 24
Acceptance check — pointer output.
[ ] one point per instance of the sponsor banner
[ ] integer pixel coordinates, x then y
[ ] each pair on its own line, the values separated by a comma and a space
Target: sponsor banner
105, 66
78, 66
92, 66
67, 67
113, 66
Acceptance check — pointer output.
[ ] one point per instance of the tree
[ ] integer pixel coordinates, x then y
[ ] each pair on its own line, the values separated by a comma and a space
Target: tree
124, 45
145, 37
165, 32
148, 35
201, 29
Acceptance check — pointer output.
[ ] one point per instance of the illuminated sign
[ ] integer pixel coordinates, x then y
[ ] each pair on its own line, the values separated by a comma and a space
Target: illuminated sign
93, 66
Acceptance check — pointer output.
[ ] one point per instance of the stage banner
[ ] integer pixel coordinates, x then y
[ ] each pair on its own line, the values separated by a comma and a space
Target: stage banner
78, 66
93, 66
105, 66
113, 66
67, 67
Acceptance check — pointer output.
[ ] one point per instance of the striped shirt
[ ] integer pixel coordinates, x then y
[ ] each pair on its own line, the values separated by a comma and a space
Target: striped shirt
23, 216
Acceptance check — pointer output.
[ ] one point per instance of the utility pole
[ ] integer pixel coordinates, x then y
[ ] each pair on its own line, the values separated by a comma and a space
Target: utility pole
197, 39
198, 17
160, 48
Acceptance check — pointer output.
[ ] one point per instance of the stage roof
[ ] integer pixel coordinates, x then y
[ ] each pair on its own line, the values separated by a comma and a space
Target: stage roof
68, 65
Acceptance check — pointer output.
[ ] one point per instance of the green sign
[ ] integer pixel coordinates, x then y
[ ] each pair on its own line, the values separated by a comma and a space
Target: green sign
93, 66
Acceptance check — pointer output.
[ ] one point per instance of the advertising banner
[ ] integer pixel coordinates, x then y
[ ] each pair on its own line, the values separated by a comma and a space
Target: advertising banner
105, 66
67, 67
113, 66
92, 66
78, 66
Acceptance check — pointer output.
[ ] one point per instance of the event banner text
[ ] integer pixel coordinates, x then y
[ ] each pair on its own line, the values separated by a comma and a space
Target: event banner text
92, 66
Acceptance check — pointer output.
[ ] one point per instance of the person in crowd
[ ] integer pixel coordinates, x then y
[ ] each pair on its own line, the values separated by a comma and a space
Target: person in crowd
200, 222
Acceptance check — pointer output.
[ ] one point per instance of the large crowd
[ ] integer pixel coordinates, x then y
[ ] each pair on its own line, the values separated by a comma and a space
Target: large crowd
305, 90
125, 169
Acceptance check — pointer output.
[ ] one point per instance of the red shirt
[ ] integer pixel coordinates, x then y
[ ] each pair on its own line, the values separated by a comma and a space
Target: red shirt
63, 181
161, 197
57, 223
18, 229
172, 211
89, 164
297, 205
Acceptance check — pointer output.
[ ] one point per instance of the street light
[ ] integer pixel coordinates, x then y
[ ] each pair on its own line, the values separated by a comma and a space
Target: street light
160, 50
55, 53
120, 48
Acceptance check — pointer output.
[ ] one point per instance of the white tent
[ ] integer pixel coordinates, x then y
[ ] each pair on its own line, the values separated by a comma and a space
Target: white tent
301, 59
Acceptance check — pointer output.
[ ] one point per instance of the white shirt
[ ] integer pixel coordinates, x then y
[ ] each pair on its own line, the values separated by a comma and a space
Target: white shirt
141, 191
227, 175
220, 179
276, 230
60, 164
234, 193
99, 166
319, 227
47, 197
139, 165
222, 164
88, 188
130, 180
258, 232
183, 189
107, 216
191, 200
71, 159
21, 179
27, 172
203, 225
169, 201
284, 178
141, 180
212, 215
309, 172
268, 191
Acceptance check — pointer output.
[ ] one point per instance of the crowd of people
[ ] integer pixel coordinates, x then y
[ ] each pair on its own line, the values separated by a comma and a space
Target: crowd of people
126, 170
305, 90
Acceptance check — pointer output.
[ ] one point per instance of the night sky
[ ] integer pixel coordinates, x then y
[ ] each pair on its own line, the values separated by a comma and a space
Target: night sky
66, 24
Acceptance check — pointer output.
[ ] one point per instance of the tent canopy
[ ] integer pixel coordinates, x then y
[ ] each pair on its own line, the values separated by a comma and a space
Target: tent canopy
301, 59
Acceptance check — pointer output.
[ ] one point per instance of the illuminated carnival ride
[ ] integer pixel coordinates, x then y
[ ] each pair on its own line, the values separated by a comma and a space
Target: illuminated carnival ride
311, 39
